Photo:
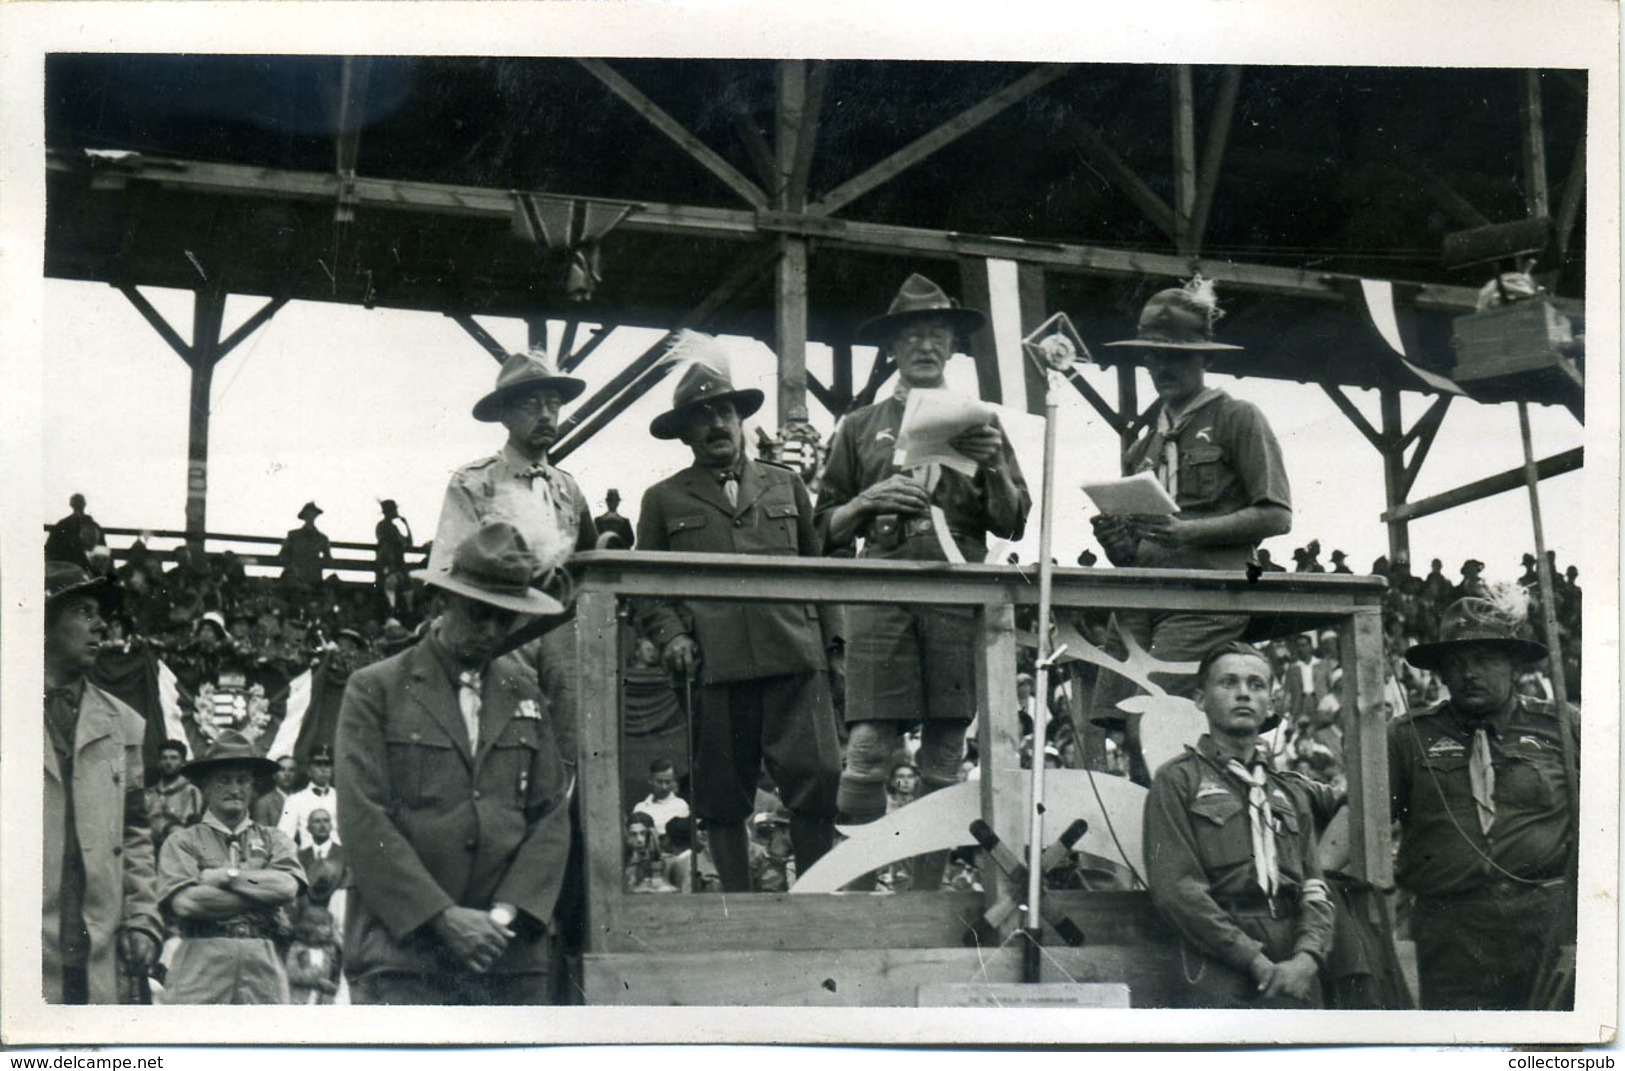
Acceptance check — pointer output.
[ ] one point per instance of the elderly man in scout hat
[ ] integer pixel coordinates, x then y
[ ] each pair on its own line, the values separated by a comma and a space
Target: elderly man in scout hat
99, 884
908, 665
520, 486
762, 669
1230, 852
1218, 460
454, 798
1483, 786
224, 883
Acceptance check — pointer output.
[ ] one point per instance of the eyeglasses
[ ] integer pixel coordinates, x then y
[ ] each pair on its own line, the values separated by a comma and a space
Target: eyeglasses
537, 403
924, 332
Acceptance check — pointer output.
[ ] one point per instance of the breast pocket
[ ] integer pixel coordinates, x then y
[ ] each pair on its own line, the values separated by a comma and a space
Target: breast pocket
778, 528
512, 762
1219, 824
1532, 778
1201, 470
422, 768
687, 532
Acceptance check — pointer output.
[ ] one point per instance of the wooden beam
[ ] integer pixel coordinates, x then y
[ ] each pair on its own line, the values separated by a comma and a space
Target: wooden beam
657, 117
573, 361
1366, 725
826, 397
998, 743
976, 293
208, 308
1568, 207
790, 330
535, 333
841, 357
568, 341
1442, 192
787, 114
1102, 156
1128, 401
250, 325
1429, 422
1357, 418
598, 665
1393, 470
745, 270
1218, 136
879, 372
1184, 146
761, 157
458, 202
1425, 431
1537, 196
1097, 400
945, 134
807, 137
1546, 468
479, 334
159, 324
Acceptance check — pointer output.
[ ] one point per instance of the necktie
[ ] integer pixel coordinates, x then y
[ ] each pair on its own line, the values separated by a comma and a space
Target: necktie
468, 698
61, 713
1261, 823
1481, 772
730, 486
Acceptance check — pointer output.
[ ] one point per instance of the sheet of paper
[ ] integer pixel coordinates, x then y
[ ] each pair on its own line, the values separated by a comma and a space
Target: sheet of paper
931, 417
1137, 494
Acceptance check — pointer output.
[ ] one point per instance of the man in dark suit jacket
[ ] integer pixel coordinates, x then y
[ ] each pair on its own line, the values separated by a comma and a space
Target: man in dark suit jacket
763, 691
323, 860
454, 799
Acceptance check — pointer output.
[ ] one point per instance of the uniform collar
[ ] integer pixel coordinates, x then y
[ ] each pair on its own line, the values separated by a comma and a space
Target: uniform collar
519, 462
212, 822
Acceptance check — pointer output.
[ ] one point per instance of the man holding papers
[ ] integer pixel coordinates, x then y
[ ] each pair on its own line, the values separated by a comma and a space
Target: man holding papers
907, 666
1219, 462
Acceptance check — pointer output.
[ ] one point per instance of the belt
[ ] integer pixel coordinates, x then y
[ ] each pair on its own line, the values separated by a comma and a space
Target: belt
240, 929
1277, 906
893, 533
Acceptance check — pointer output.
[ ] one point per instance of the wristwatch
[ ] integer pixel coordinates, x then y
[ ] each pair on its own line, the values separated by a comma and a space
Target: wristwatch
232, 872
504, 915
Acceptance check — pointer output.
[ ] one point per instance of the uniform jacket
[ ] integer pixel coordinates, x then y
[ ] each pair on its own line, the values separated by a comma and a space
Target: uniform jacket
110, 819
1443, 849
860, 455
429, 825
1229, 459
494, 488
738, 641
1198, 851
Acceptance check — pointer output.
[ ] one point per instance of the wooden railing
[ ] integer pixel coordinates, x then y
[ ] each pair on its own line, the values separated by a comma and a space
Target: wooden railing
163, 542
847, 948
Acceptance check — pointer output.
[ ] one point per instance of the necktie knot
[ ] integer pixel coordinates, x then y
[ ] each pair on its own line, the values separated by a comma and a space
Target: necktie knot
470, 678
538, 471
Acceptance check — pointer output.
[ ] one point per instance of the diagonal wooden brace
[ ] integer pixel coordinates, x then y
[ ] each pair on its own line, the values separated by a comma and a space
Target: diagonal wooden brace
1016, 869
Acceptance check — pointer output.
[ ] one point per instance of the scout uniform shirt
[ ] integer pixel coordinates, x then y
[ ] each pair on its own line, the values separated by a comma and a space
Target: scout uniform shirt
1200, 863
231, 960
1444, 850
542, 502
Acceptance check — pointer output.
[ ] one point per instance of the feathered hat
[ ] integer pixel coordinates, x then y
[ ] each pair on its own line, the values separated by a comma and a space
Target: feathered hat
705, 379
1180, 318
1500, 621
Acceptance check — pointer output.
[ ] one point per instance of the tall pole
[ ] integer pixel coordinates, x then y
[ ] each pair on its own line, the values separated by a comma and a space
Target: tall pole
1543, 568
1031, 960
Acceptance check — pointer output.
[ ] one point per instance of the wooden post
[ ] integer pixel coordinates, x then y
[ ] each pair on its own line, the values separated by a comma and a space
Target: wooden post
1128, 401
1543, 567
790, 329
841, 354
998, 740
1365, 741
208, 309
1537, 194
1184, 144
598, 658
536, 332
1393, 475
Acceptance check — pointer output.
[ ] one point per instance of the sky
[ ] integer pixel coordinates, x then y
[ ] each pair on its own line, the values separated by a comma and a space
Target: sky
345, 406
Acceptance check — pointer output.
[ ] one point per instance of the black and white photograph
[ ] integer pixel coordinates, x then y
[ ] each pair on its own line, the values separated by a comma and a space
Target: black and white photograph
952, 525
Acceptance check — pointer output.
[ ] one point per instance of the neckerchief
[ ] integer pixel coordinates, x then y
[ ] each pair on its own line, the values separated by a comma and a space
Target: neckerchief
1162, 450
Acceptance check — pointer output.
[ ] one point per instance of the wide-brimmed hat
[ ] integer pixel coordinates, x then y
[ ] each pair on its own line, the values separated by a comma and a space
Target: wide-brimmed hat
494, 566
309, 511
916, 299
215, 618
396, 636
1179, 318
525, 371
230, 748
65, 578
705, 379
1477, 622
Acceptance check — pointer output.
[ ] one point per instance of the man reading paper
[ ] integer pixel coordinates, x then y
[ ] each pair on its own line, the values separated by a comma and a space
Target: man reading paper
1219, 461
911, 665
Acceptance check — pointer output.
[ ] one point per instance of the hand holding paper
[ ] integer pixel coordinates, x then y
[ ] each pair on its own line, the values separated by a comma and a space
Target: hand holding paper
932, 419
1138, 495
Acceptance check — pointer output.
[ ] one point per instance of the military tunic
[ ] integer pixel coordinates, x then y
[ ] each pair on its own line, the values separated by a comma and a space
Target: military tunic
764, 691
1486, 903
1199, 866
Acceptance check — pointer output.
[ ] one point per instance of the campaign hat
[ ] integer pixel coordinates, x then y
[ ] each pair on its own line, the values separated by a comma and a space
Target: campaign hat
494, 566
521, 372
1179, 318
230, 748
66, 578
918, 298
1472, 621
705, 379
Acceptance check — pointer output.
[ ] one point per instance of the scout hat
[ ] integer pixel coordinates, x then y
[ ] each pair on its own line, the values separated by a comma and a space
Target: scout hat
525, 371
65, 578
230, 748
1179, 318
705, 379
494, 566
917, 299
309, 511
1480, 622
